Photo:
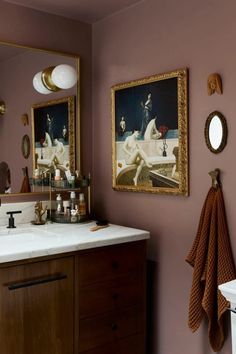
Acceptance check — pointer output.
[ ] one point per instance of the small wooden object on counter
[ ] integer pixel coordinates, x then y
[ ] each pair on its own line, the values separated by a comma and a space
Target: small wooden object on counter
98, 227
101, 224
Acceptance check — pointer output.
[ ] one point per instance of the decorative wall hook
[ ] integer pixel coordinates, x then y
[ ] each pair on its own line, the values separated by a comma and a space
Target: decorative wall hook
215, 176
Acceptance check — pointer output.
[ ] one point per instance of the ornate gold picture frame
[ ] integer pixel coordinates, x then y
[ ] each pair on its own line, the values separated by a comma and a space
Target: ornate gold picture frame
53, 141
150, 134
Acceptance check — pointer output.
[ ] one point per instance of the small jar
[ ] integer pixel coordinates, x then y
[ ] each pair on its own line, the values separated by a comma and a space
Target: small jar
57, 175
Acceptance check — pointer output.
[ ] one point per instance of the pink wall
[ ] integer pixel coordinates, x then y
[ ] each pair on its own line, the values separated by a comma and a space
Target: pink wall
154, 37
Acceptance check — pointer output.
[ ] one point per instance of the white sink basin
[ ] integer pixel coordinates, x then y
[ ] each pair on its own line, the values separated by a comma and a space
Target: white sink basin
24, 239
26, 233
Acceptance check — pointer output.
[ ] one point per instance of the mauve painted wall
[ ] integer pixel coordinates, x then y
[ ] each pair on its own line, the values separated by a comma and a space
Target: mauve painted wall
154, 37
38, 29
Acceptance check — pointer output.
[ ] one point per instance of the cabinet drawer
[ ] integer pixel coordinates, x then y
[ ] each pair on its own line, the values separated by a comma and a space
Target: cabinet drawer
111, 262
36, 308
97, 331
131, 345
112, 295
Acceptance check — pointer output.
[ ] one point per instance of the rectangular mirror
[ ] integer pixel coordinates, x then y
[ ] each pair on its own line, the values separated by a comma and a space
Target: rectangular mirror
26, 111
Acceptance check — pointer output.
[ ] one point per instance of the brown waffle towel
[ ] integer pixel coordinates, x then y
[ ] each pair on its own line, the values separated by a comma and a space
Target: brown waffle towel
212, 261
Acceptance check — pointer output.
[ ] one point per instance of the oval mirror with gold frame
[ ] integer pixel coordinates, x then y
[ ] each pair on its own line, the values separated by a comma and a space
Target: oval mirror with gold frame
25, 146
216, 132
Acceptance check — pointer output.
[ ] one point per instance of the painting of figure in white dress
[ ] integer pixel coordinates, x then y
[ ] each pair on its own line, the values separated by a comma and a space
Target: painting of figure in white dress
53, 135
149, 134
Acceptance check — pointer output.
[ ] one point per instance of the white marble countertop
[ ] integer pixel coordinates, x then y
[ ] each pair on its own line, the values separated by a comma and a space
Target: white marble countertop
29, 241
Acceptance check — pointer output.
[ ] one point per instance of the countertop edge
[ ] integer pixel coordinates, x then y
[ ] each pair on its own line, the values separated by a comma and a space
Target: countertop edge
75, 245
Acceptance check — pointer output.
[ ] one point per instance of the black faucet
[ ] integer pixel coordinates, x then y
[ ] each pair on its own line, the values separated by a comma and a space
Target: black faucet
11, 220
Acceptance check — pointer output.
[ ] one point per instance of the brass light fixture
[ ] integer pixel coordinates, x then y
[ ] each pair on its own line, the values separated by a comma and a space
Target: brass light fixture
55, 78
46, 78
2, 108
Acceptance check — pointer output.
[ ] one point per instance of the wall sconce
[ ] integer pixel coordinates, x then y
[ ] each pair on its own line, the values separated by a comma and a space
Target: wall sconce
55, 78
2, 108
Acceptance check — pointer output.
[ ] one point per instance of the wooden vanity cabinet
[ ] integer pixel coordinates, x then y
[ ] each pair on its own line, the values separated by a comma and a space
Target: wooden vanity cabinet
89, 302
37, 308
112, 300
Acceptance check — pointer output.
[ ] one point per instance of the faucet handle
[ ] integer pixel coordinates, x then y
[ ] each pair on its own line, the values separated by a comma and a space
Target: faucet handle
11, 224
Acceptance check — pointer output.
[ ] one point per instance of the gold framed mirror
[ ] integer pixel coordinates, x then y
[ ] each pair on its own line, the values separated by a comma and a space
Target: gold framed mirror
18, 66
216, 132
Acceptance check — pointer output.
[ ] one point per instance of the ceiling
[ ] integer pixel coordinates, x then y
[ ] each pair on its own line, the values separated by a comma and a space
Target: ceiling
89, 11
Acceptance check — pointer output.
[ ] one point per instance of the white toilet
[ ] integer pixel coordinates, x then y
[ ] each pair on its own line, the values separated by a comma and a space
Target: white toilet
228, 290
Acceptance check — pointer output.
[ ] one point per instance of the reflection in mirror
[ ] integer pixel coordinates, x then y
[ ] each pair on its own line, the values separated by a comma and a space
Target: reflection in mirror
5, 178
18, 66
216, 132
25, 146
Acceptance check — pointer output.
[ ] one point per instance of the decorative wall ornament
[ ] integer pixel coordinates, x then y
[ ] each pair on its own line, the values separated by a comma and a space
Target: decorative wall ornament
25, 119
25, 146
150, 153
214, 84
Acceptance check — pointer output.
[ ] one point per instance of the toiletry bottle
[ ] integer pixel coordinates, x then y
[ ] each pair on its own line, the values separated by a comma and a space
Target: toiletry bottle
57, 175
66, 204
58, 204
82, 205
74, 216
72, 200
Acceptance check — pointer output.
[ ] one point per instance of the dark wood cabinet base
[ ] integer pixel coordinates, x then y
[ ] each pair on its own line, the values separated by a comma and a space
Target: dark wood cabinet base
89, 302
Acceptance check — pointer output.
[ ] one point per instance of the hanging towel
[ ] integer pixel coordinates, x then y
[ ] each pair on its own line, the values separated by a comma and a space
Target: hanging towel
212, 262
25, 187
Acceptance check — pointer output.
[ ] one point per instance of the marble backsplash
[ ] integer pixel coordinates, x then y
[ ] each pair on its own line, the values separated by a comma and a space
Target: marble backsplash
27, 215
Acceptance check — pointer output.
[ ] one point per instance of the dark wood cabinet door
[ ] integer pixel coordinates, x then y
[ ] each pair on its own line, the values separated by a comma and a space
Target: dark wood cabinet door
37, 308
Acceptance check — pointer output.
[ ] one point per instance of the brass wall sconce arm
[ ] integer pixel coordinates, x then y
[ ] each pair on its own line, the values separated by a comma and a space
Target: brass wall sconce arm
2, 108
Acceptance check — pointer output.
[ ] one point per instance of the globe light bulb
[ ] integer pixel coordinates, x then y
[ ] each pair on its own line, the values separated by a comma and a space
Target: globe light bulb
38, 85
64, 76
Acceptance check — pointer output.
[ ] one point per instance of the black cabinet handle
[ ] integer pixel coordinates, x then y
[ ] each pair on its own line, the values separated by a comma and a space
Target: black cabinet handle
33, 282
232, 310
115, 265
114, 296
114, 326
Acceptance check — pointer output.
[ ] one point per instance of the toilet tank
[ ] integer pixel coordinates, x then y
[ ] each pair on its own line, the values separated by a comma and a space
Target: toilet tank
228, 290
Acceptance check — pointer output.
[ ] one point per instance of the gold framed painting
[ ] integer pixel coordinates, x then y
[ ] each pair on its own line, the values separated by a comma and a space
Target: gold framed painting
53, 141
150, 134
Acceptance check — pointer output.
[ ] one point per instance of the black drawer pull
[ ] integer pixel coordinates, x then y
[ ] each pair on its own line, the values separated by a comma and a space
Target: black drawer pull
114, 326
28, 283
115, 265
232, 310
114, 296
